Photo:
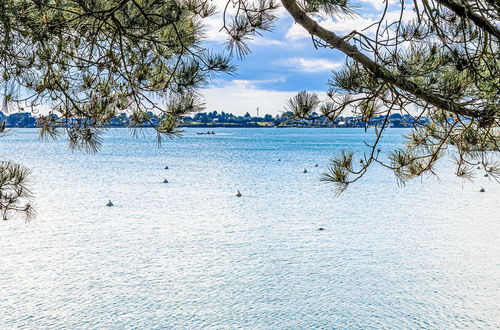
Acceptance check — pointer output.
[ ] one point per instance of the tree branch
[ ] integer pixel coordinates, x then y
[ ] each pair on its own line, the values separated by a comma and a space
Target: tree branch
466, 12
376, 69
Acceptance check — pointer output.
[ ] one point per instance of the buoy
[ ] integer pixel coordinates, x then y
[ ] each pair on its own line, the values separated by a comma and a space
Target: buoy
109, 203
166, 167
479, 167
316, 165
481, 190
304, 171
279, 159
165, 181
238, 194
321, 228
486, 175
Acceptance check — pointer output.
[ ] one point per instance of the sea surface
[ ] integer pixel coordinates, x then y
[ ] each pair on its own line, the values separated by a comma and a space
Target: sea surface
190, 254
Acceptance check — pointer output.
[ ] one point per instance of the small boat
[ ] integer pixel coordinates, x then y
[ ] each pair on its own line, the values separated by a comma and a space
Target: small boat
109, 203
238, 194
165, 181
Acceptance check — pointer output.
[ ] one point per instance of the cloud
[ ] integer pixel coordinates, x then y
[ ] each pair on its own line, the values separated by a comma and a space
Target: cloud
241, 96
310, 64
261, 41
344, 25
379, 4
212, 32
341, 27
212, 26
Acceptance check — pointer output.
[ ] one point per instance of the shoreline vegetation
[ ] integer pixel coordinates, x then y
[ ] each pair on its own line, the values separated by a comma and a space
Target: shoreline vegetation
216, 119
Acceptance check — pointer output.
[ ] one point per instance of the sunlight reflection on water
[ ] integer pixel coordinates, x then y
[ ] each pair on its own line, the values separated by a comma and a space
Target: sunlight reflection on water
190, 254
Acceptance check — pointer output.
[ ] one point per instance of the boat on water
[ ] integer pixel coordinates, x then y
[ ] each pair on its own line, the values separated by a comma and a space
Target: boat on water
206, 133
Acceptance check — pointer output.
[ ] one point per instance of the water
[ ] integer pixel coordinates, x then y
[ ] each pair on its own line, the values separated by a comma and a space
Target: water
190, 254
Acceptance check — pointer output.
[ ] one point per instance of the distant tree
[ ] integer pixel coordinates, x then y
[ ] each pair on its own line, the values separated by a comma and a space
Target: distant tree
268, 117
287, 115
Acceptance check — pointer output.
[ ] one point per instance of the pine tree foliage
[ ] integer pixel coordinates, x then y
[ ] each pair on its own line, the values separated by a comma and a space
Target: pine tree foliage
15, 197
90, 60
442, 64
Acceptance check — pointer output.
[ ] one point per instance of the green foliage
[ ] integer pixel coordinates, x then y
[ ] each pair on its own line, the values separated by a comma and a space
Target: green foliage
443, 66
91, 59
15, 197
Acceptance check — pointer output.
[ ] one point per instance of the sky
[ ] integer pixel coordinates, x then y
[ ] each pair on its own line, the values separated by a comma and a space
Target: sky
281, 64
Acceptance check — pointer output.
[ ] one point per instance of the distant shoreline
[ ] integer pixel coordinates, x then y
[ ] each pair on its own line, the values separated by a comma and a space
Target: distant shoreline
222, 126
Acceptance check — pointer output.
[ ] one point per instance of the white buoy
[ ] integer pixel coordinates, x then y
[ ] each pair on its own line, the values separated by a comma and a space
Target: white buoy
165, 181
304, 171
238, 194
481, 190
109, 203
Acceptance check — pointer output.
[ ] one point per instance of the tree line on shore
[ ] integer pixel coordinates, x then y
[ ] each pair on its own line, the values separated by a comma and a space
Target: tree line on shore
223, 119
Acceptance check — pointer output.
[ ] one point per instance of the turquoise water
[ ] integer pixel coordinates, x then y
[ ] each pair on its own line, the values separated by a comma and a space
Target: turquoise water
190, 254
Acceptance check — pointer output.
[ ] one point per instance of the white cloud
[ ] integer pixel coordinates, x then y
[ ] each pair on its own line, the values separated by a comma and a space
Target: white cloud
342, 26
379, 4
241, 96
345, 25
261, 41
310, 64
212, 32
212, 26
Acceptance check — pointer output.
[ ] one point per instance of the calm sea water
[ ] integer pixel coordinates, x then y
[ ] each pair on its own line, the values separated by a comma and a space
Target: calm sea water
189, 254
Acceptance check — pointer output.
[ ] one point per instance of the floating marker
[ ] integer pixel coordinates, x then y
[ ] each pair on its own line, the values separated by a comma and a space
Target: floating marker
109, 203
481, 190
166, 167
304, 171
165, 181
321, 228
486, 175
316, 165
238, 194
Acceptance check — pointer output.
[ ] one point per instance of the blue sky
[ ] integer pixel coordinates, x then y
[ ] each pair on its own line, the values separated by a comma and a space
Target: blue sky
281, 63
